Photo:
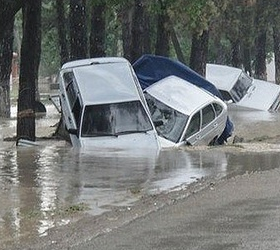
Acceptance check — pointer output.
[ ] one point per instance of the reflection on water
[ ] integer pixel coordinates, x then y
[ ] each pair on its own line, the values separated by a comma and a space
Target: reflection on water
36, 183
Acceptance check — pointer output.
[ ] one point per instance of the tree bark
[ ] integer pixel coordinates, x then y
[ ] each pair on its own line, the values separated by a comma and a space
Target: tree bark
7, 13
247, 60
78, 30
163, 34
199, 52
137, 31
276, 39
176, 45
6, 55
235, 53
260, 42
30, 57
62, 34
126, 16
98, 34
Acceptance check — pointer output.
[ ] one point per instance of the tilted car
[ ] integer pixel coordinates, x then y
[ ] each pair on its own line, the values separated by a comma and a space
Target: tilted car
185, 114
151, 68
242, 91
103, 105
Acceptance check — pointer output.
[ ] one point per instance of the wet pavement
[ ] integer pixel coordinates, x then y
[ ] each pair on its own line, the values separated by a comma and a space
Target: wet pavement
38, 184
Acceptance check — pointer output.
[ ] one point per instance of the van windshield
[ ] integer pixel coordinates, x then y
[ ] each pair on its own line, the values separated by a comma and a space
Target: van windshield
114, 119
241, 87
171, 122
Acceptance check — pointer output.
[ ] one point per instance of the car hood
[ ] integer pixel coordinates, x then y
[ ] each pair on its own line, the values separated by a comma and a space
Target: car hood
133, 142
261, 95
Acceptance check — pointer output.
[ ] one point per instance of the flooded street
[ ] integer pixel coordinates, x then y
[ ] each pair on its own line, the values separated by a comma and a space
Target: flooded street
38, 185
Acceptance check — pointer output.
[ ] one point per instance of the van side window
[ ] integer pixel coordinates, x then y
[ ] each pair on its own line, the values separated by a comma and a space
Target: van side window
69, 86
77, 111
208, 115
194, 125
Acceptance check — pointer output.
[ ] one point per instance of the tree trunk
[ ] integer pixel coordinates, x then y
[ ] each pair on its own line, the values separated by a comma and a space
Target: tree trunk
235, 54
199, 52
7, 13
30, 57
62, 34
6, 55
163, 34
98, 27
78, 30
176, 45
137, 31
276, 39
247, 60
260, 42
126, 16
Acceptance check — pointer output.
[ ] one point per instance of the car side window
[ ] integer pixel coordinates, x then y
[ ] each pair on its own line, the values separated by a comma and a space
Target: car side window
208, 115
194, 125
218, 108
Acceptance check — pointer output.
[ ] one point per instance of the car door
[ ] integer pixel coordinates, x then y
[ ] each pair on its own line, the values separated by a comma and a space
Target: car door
192, 135
209, 124
203, 126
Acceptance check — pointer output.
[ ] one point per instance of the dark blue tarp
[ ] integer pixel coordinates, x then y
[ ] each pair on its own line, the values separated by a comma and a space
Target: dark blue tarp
150, 69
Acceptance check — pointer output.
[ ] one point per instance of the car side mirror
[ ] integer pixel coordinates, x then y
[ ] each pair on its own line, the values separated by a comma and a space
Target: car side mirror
158, 123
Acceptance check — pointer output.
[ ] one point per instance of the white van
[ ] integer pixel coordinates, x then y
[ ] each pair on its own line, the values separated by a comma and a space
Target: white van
103, 105
185, 114
241, 90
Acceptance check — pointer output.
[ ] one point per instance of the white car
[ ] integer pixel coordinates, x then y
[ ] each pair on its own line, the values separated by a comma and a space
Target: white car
103, 105
242, 91
185, 114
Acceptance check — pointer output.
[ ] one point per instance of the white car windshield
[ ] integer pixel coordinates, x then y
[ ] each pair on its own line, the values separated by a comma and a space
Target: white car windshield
241, 87
114, 119
169, 122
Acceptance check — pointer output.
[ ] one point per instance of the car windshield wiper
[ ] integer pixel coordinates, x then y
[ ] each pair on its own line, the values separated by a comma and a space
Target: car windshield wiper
131, 132
102, 134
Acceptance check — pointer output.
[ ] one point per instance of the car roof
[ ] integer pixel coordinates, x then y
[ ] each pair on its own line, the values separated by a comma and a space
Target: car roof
108, 82
180, 94
222, 76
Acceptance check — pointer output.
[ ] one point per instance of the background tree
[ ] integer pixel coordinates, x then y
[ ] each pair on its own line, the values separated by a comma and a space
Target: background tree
6, 55
62, 31
162, 46
78, 30
261, 22
29, 66
98, 28
7, 13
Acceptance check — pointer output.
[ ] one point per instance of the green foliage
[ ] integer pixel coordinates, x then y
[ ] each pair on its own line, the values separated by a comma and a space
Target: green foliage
197, 15
50, 61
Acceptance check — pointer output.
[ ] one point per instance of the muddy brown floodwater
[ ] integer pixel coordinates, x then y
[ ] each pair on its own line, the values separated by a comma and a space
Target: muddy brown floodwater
52, 186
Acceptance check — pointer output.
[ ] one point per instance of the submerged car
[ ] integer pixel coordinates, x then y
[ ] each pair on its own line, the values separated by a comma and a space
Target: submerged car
242, 91
151, 68
185, 114
103, 105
